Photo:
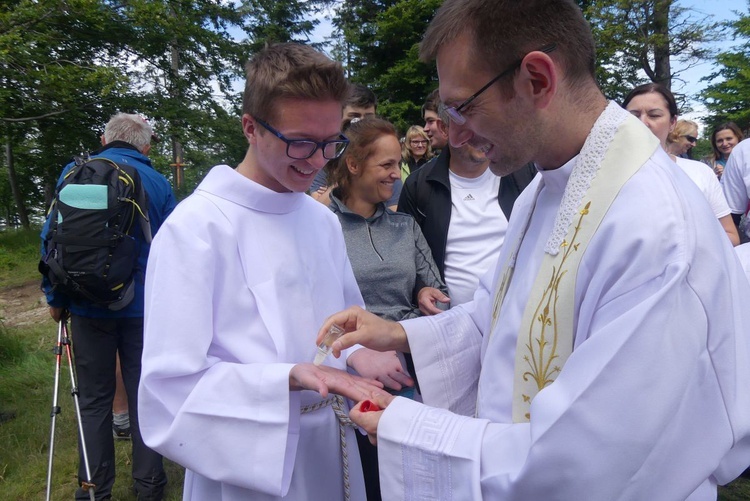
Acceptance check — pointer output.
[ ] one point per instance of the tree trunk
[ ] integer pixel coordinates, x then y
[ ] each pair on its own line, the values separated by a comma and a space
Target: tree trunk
176, 95
177, 153
662, 68
13, 180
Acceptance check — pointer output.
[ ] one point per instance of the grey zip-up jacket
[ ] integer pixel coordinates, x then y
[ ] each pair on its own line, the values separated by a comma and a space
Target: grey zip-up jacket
388, 253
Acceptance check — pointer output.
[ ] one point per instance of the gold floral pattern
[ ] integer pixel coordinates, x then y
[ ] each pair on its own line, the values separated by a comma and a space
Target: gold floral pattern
542, 357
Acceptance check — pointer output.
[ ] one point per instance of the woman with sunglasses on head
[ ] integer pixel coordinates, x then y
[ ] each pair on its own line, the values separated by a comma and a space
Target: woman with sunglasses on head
655, 106
416, 151
682, 139
723, 140
391, 260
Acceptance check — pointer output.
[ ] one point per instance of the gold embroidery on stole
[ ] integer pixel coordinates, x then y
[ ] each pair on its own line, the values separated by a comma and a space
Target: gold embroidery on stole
547, 334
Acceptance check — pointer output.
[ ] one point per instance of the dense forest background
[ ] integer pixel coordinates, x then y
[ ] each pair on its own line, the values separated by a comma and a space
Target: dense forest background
67, 65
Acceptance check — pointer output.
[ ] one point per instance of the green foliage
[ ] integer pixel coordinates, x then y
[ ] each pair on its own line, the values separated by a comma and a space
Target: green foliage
276, 21
67, 66
402, 114
19, 254
703, 148
58, 60
378, 41
642, 38
636, 41
729, 99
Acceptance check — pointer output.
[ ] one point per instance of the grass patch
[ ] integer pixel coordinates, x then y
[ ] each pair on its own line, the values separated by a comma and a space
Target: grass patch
27, 370
739, 490
19, 255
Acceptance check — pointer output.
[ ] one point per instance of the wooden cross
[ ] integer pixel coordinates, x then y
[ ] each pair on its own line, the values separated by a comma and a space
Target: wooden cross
178, 166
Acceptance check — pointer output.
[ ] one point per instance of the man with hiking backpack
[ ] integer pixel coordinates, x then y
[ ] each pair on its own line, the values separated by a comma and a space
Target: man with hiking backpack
95, 245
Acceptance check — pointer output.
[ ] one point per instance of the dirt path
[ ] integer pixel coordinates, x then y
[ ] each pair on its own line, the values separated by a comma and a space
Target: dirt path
23, 305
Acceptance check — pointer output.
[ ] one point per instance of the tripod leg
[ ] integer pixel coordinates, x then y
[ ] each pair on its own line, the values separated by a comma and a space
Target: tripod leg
55, 408
88, 485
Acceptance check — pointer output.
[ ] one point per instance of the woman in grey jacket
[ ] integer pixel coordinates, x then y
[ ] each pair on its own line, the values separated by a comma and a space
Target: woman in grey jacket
387, 250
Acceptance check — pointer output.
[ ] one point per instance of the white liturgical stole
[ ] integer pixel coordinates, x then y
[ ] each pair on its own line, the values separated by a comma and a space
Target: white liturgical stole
616, 148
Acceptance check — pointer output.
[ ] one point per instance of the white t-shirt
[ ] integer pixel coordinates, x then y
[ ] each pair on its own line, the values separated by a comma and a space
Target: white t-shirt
703, 176
475, 233
736, 178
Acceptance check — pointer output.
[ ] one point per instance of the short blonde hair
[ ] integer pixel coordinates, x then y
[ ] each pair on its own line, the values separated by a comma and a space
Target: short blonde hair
682, 128
290, 70
415, 131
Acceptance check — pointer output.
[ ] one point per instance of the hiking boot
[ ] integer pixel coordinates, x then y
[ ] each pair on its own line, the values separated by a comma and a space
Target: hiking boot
154, 494
121, 433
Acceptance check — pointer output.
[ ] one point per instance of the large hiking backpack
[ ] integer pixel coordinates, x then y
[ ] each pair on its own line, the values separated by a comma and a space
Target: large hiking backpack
90, 251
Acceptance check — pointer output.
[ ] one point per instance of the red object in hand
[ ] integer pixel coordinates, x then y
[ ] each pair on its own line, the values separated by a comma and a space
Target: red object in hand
369, 406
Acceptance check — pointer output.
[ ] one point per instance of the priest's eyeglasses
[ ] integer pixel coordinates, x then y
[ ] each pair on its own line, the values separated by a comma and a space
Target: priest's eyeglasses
302, 149
454, 112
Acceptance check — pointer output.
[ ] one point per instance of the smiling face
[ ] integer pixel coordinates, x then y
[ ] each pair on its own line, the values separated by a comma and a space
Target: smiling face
372, 180
652, 109
267, 162
418, 145
503, 129
725, 141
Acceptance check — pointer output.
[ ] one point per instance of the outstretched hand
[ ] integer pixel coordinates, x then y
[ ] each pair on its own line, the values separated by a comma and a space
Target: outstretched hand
381, 366
367, 419
362, 327
325, 380
428, 298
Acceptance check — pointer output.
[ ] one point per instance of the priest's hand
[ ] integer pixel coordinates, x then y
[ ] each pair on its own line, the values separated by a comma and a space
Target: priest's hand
325, 380
362, 327
367, 414
428, 299
384, 367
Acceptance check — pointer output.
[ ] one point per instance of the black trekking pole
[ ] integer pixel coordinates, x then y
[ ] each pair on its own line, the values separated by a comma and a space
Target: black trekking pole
63, 340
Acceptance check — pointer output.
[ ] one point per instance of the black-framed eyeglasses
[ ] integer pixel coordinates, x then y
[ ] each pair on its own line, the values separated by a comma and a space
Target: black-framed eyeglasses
691, 139
302, 149
454, 112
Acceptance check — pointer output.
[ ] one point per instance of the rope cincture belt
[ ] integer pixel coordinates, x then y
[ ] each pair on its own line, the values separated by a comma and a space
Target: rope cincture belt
339, 408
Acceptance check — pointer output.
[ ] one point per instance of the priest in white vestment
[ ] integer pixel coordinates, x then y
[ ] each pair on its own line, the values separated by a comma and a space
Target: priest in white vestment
242, 275
606, 358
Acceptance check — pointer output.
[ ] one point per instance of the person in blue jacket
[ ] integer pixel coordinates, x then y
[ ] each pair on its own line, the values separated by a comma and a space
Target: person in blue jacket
99, 334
